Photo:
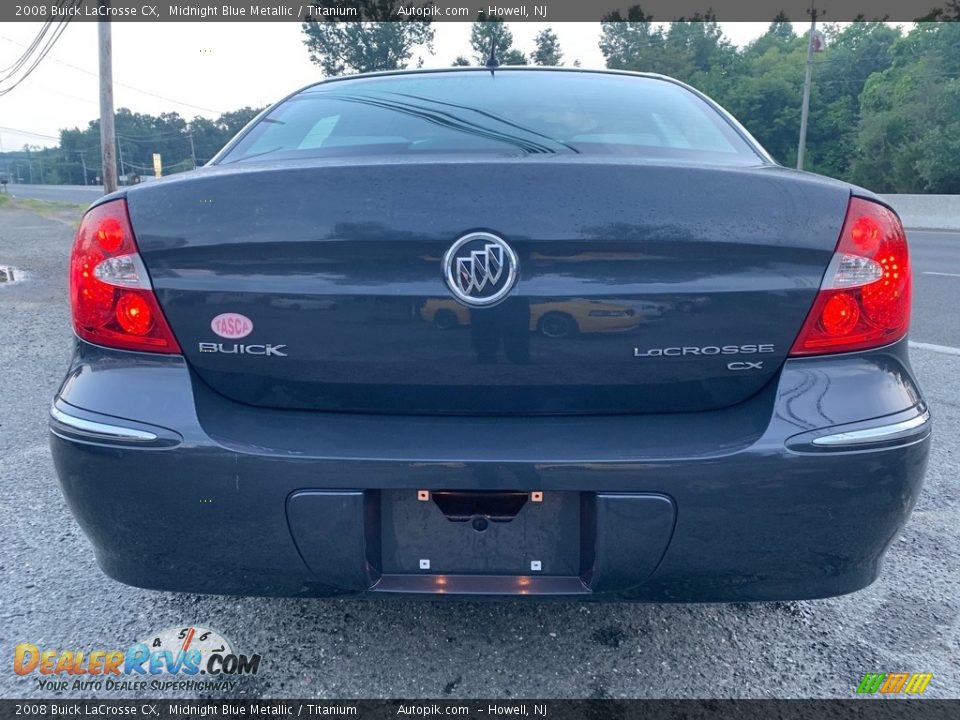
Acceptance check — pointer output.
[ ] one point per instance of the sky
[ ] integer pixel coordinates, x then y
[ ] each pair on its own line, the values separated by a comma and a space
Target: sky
208, 68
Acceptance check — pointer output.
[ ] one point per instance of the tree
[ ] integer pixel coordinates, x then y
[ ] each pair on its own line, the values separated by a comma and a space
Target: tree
853, 54
697, 46
139, 135
547, 50
629, 41
779, 36
949, 12
485, 31
884, 106
512, 57
460, 61
764, 86
230, 123
693, 50
765, 96
211, 135
910, 115
384, 43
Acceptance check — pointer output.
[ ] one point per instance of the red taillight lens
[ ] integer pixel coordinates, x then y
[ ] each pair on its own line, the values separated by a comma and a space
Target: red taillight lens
134, 314
864, 301
110, 293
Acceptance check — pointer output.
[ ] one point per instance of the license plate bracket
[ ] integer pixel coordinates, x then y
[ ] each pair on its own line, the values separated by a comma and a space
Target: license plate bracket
496, 535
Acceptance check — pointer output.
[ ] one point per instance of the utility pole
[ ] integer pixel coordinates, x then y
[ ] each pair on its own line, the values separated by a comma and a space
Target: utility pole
83, 161
807, 79
107, 132
123, 170
193, 151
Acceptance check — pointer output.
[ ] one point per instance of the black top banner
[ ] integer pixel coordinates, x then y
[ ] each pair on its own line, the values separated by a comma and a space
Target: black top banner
440, 11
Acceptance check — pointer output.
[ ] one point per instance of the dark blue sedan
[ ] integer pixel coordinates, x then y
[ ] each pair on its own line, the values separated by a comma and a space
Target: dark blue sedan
521, 332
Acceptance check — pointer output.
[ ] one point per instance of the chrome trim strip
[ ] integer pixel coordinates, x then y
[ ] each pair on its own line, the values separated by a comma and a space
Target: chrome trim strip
874, 434
98, 430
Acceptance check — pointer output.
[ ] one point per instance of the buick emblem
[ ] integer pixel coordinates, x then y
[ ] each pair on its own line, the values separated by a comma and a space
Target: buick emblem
480, 269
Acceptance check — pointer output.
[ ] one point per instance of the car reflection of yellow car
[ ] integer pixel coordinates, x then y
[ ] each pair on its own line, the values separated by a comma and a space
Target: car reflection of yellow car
444, 313
551, 319
569, 317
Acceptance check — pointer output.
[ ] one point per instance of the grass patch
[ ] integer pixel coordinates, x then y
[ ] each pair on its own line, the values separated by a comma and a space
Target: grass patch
48, 206
65, 212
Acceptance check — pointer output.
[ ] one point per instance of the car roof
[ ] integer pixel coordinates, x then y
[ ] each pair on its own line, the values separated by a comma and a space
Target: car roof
484, 69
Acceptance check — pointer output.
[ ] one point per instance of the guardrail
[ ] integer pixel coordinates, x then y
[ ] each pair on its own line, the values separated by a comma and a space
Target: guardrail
927, 212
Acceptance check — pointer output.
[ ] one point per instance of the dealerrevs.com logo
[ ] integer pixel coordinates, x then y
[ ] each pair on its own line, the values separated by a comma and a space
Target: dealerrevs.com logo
182, 658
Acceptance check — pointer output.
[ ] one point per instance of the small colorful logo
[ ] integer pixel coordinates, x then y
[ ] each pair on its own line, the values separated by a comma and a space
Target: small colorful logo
232, 325
184, 652
894, 683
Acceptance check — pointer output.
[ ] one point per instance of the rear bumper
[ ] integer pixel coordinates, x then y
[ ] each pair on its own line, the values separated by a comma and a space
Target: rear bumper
749, 503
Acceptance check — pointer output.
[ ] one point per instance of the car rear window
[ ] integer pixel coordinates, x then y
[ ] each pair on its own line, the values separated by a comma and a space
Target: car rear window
475, 112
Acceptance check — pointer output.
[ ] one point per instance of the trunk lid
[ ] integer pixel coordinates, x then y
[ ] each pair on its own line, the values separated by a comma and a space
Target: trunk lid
641, 287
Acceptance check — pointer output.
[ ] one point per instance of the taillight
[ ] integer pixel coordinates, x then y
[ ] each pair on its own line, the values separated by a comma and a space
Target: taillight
110, 293
864, 300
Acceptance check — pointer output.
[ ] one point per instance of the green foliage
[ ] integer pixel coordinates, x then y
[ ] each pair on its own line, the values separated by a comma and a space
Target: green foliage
138, 137
547, 51
884, 106
385, 43
949, 12
854, 54
460, 61
486, 30
909, 138
630, 42
689, 50
512, 57
765, 90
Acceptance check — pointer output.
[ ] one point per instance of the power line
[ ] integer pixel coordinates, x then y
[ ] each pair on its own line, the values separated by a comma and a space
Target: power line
46, 89
40, 56
61, 26
15, 66
26, 132
128, 87
137, 166
21, 61
160, 137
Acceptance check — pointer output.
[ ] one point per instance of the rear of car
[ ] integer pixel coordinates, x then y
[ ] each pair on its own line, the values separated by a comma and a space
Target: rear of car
513, 333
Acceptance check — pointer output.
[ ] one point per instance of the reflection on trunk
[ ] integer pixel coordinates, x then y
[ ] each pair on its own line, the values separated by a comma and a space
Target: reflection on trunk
624, 270
557, 319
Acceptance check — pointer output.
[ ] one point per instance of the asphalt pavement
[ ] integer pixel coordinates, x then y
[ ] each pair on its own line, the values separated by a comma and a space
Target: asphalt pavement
82, 194
53, 595
936, 287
